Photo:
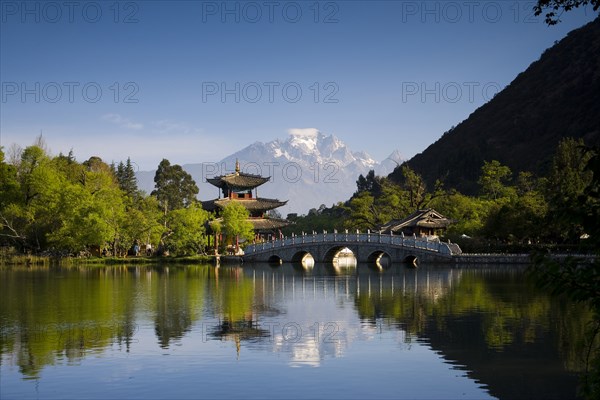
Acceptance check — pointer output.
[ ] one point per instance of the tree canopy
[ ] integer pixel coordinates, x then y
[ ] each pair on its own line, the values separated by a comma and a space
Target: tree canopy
175, 188
235, 222
58, 205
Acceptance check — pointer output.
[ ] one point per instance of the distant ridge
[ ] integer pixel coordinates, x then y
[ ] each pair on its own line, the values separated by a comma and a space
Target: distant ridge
557, 96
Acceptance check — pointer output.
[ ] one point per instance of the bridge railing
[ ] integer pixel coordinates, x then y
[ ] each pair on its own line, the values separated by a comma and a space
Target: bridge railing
348, 237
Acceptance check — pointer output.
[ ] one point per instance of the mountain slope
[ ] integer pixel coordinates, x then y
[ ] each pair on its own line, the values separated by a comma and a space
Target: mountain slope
557, 96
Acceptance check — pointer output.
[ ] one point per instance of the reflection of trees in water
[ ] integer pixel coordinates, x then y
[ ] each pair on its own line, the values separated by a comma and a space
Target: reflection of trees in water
406, 297
238, 331
65, 314
52, 315
62, 315
178, 296
499, 308
232, 298
424, 296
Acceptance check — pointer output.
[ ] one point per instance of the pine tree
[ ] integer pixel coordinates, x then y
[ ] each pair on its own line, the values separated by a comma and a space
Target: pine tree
126, 178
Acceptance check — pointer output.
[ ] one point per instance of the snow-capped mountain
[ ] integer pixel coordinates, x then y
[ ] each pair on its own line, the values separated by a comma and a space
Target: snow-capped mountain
308, 169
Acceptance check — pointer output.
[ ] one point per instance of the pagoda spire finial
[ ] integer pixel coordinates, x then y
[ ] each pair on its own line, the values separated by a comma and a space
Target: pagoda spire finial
237, 167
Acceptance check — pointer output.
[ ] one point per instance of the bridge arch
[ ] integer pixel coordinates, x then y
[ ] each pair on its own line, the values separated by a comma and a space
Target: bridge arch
334, 251
411, 260
380, 259
303, 258
275, 260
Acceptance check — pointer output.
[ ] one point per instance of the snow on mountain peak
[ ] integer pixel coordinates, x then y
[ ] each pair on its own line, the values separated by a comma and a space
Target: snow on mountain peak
304, 139
304, 132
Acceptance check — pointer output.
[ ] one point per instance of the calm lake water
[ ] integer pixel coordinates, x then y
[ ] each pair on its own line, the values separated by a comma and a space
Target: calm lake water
264, 332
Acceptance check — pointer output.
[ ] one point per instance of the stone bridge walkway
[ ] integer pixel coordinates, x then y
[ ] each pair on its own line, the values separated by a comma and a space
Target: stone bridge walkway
367, 247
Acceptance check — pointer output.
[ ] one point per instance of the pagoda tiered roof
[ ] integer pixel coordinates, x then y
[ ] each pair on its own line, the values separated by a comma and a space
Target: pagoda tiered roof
263, 224
267, 224
239, 180
259, 204
237, 187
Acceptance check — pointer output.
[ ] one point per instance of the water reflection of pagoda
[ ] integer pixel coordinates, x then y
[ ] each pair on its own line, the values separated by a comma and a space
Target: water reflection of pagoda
238, 186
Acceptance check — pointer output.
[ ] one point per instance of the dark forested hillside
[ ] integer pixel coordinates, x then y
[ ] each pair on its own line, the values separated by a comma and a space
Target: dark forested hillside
557, 96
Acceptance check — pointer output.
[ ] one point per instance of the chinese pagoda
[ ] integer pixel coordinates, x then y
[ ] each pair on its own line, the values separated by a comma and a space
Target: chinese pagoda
238, 186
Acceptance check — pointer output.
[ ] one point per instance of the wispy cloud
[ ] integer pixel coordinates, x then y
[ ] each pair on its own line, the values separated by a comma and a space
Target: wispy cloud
122, 121
166, 126
304, 132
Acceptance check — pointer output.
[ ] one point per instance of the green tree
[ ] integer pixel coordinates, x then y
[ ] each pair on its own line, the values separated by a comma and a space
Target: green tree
235, 223
329, 218
493, 180
520, 220
69, 167
175, 188
126, 178
362, 213
9, 186
567, 181
33, 214
142, 221
86, 219
392, 203
365, 210
470, 213
415, 186
187, 231
371, 183
9, 194
577, 278
90, 212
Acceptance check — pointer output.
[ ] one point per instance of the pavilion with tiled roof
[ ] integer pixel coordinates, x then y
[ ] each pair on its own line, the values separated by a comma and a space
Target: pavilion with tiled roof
427, 222
238, 186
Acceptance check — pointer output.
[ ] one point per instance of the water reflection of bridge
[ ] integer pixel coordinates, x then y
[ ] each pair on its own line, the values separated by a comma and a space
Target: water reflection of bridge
327, 281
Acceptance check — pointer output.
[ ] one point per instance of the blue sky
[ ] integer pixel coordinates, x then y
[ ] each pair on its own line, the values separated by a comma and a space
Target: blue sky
195, 81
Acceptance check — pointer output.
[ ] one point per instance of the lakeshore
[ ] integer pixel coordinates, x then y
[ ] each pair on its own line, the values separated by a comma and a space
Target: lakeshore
457, 260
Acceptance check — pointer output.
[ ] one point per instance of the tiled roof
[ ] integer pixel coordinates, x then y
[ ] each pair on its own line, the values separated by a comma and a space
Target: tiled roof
250, 204
428, 218
264, 224
238, 180
253, 204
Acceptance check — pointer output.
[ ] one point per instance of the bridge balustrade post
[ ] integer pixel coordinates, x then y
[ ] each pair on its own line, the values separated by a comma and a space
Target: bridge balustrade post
379, 236
357, 233
346, 235
368, 235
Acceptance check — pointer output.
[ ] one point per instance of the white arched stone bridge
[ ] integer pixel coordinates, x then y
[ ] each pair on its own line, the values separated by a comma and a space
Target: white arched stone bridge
367, 247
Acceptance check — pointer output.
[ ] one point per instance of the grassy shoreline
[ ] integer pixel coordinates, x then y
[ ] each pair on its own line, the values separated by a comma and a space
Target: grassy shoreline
31, 260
